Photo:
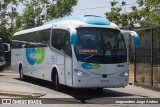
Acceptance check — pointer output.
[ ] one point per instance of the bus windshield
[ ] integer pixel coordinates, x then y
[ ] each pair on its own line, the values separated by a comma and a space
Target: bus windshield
100, 45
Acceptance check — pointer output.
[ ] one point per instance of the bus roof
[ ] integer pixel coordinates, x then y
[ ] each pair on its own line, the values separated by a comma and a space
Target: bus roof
33, 29
73, 22
89, 19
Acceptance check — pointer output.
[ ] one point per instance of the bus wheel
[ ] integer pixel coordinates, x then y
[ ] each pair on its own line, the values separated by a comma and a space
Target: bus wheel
57, 85
100, 89
21, 75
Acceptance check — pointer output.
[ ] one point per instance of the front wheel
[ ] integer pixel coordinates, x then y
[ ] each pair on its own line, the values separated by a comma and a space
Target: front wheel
100, 89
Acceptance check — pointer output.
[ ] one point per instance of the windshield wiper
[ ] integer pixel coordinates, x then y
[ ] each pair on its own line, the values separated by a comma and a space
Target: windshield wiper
87, 57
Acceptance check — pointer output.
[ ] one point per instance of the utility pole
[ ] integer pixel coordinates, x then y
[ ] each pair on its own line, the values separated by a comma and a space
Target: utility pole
0, 5
124, 6
12, 17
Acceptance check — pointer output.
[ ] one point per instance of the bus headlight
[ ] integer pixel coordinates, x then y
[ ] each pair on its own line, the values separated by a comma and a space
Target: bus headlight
80, 73
124, 74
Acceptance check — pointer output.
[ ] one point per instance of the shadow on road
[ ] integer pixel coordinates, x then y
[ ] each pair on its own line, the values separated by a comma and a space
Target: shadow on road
81, 94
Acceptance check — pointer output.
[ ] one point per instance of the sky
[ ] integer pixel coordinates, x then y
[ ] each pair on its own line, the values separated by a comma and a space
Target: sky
94, 7
99, 7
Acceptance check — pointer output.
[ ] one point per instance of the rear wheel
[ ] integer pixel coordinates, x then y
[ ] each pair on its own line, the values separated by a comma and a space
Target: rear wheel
57, 85
100, 89
21, 75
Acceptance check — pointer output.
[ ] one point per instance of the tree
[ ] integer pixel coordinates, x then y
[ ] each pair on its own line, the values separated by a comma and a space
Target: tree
147, 15
114, 14
134, 17
61, 8
117, 16
150, 12
6, 16
37, 12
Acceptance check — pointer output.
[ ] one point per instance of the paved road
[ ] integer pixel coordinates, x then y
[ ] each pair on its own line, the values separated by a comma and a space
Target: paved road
11, 82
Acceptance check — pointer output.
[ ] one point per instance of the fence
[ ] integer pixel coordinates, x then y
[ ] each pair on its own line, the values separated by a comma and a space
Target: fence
147, 57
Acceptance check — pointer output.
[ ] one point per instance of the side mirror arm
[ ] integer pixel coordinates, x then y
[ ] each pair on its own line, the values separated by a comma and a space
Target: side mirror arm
133, 34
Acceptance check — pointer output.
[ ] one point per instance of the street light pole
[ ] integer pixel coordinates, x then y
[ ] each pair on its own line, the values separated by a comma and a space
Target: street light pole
124, 5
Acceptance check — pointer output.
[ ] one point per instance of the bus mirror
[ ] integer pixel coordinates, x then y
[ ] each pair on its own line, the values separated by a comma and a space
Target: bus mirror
134, 36
6, 47
73, 36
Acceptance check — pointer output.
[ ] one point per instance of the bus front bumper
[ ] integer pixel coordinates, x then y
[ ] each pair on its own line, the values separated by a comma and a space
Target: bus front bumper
101, 82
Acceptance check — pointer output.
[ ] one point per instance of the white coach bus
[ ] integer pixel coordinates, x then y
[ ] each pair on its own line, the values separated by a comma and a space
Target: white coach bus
79, 52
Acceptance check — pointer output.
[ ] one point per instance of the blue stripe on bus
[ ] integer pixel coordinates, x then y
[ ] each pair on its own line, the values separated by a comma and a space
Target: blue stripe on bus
135, 38
90, 19
73, 37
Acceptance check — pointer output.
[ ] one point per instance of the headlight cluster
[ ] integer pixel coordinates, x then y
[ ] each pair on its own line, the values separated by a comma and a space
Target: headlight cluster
80, 73
124, 74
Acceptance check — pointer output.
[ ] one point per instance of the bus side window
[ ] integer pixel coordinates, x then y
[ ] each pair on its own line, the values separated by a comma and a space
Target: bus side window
68, 50
58, 39
44, 38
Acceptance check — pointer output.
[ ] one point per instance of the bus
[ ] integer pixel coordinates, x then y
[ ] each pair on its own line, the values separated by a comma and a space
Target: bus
4, 47
82, 52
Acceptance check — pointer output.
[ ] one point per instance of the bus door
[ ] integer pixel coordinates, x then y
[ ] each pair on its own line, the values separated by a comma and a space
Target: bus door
58, 54
68, 60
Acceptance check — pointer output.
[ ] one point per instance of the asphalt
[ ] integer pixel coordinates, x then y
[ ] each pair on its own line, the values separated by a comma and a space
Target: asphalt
15, 89
11, 88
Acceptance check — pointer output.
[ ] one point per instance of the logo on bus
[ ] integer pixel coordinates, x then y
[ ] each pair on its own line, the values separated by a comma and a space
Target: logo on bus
90, 66
35, 55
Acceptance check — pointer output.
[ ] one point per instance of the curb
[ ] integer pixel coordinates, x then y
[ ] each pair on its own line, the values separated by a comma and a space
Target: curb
21, 94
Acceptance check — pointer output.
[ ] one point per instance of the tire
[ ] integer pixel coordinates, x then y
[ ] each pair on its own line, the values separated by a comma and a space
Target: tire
100, 89
21, 75
57, 85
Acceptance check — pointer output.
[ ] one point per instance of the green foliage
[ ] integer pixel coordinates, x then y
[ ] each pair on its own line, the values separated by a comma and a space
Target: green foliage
6, 35
142, 78
6, 29
35, 13
61, 8
147, 14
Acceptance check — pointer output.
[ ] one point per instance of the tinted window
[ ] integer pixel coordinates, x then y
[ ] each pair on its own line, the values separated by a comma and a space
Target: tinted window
100, 45
68, 50
58, 38
61, 40
32, 40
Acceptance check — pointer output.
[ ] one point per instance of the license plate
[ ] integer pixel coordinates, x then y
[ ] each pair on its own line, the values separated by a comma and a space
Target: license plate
102, 81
